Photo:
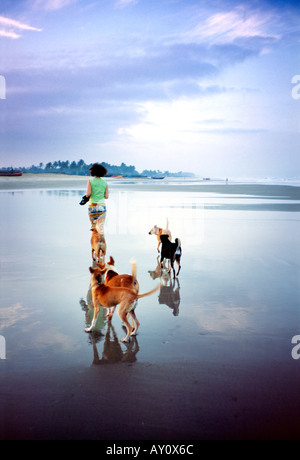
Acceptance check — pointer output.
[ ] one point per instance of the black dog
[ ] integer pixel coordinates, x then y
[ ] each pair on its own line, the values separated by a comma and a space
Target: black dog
171, 251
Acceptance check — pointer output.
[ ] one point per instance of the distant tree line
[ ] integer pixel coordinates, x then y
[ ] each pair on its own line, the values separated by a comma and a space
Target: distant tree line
80, 168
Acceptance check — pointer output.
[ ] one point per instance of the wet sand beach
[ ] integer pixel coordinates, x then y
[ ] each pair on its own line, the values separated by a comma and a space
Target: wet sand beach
213, 355
183, 401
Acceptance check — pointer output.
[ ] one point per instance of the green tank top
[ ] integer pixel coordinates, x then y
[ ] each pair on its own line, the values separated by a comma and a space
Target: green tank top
98, 190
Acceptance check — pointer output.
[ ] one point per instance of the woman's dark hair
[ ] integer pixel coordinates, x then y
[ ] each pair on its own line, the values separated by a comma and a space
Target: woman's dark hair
97, 170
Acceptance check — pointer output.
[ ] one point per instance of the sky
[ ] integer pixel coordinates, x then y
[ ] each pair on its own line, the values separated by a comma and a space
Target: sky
210, 87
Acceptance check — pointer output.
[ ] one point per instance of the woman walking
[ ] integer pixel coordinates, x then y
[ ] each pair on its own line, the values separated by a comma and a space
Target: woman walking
97, 192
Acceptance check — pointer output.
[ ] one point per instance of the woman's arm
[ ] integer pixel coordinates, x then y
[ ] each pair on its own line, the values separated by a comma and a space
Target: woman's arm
106, 192
89, 189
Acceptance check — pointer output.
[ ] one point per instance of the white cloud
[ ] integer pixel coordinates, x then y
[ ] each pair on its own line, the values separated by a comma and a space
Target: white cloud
237, 23
11, 315
9, 34
53, 4
11, 25
16, 24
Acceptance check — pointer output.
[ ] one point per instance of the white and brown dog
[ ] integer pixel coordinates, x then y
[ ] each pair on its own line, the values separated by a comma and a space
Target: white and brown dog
109, 296
111, 277
160, 231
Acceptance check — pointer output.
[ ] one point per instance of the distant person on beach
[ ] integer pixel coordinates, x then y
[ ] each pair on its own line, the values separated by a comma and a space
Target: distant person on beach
97, 192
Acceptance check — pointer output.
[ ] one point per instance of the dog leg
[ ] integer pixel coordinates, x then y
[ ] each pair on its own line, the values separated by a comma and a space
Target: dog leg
158, 242
177, 258
122, 312
172, 266
136, 324
110, 313
92, 326
162, 261
135, 321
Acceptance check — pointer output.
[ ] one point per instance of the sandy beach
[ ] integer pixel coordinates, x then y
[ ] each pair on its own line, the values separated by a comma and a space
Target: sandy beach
212, 360
151, 402
28, 181
53, 181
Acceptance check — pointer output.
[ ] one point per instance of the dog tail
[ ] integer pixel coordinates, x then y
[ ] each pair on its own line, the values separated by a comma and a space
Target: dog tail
139, 296
133, 264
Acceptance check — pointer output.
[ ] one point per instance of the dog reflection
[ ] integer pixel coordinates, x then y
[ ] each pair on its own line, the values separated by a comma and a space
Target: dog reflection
159, 269
170, 294
169, 289
112, 350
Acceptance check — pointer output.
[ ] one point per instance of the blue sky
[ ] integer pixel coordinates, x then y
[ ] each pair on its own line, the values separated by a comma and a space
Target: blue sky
173, 85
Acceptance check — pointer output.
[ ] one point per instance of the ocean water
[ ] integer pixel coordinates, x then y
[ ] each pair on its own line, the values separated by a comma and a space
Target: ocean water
236, 299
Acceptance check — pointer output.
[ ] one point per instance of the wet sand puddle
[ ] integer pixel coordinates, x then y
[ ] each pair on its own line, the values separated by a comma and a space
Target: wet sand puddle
234, 304
234, 270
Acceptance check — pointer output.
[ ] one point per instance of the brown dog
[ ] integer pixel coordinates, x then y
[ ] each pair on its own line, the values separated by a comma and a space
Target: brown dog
108, 296
98, 245
160, 231
111, 278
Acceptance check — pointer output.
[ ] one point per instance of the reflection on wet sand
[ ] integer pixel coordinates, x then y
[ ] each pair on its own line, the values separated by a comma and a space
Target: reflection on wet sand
9, 316
169, 289
112, 351
169, 295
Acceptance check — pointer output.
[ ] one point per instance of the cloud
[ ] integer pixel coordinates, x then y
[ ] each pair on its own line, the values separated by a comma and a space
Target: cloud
239, 23
16, 24
161, 72
9, 34
53, 4
11, 25
11, 315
